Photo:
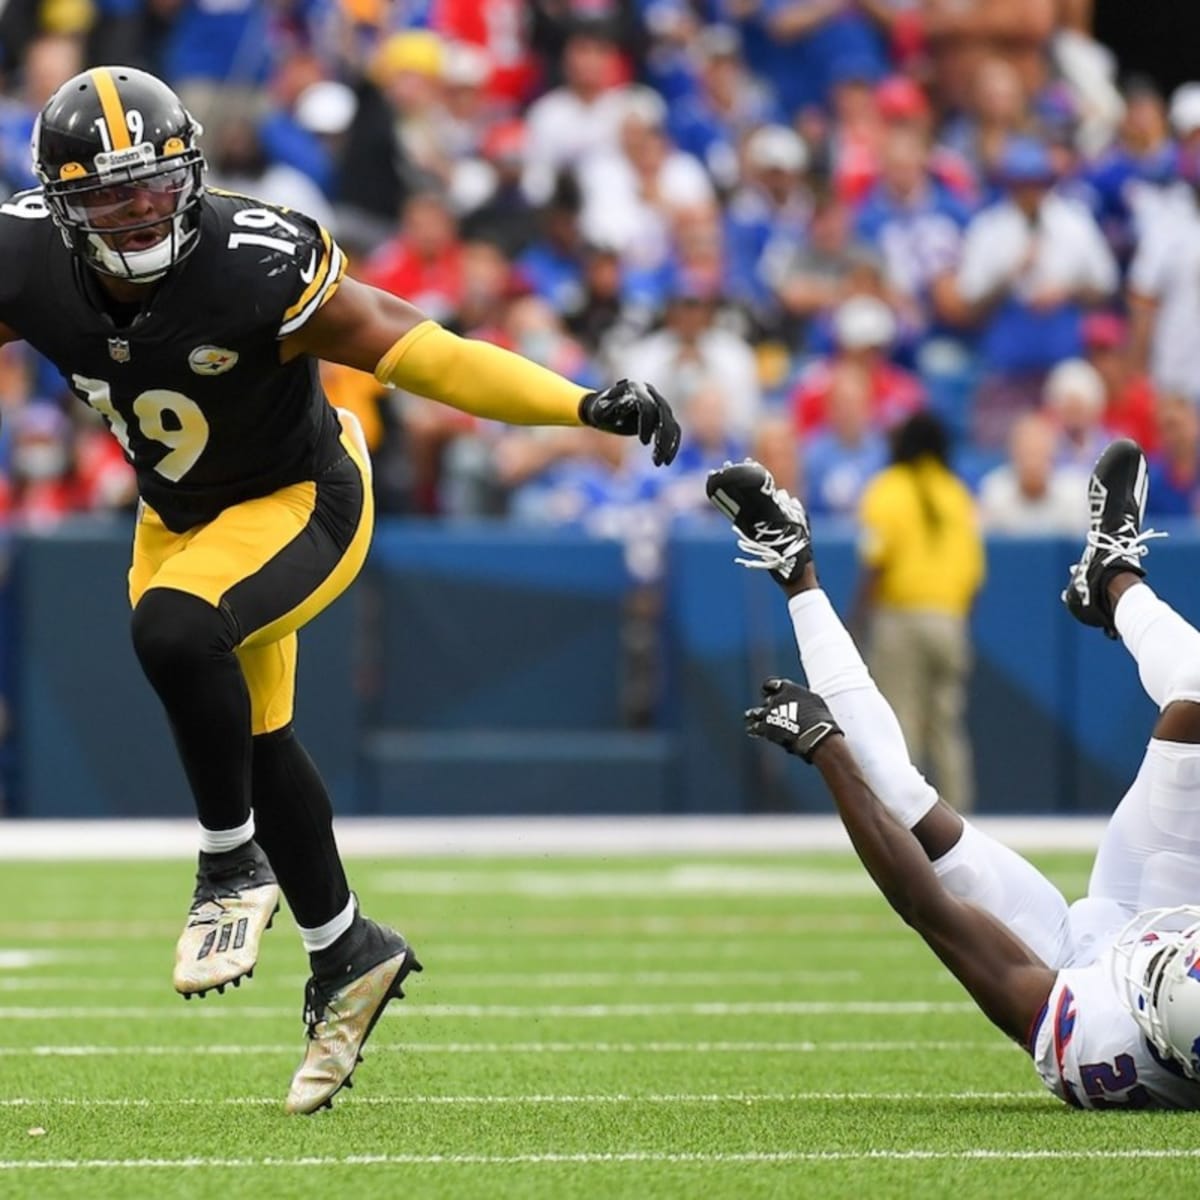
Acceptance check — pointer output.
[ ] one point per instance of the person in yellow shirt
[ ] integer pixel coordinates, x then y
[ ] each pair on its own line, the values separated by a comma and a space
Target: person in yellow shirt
922, 566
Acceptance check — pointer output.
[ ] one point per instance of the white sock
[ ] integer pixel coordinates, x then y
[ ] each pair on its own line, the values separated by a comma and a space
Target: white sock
1165, 647
836, 672
217, 841
988, 874
325, 935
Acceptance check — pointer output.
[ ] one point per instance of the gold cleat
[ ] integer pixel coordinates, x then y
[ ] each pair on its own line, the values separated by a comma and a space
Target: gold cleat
340, 1018
235, 902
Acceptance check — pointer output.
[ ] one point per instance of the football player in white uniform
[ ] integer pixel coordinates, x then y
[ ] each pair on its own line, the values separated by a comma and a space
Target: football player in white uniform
1104, 994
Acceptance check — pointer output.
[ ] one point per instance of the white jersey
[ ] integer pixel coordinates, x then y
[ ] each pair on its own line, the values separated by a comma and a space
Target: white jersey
1090, 1052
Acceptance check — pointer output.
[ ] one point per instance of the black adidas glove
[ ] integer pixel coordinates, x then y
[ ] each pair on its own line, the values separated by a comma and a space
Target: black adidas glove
792, 717
630, 408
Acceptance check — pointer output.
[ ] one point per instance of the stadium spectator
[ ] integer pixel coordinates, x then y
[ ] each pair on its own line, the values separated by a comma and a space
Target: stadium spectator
768, 217
726, 108
376, 171
606, 323
1184, 115
814, 276
556, 24
998, 111
504, 214
1174, 470
962, 35
1074, 400
424, 262
864, 329
854, 137
1164, 285
43, 487
465, 117
581, 117
553, 263
489, 286
847, 449
632, 193
1031, 264
1031, 493
922, 565
306, 117
218, 56
697, 260
678, 490
916, 223
238, 162
498, 34
118, 33
1129, 395
1130, 174
828, 42
411, 70
50, 60
903, 104
691, 347
558, 476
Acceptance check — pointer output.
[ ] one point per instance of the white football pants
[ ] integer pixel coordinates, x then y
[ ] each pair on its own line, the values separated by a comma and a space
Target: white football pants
1150, 855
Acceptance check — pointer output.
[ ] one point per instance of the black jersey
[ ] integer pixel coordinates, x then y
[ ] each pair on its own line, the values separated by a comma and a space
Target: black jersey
193, 387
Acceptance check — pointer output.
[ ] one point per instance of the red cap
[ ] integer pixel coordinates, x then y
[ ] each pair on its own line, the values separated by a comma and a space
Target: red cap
505, 140
900, 99
1104, 331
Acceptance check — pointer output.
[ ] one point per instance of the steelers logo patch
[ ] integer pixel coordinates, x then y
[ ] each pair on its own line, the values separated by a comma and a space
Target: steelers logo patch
211, 360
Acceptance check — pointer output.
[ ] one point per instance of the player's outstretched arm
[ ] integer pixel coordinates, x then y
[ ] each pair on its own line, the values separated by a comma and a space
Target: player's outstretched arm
374, 331
1004, 977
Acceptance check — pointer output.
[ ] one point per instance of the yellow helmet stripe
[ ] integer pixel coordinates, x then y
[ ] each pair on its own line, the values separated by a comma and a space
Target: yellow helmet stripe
114, 110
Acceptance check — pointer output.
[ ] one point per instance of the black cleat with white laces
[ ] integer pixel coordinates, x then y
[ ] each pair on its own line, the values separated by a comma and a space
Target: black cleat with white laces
1116, 541
773, 525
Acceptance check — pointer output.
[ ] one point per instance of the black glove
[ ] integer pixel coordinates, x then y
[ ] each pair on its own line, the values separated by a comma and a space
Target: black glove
630, 408
792, 717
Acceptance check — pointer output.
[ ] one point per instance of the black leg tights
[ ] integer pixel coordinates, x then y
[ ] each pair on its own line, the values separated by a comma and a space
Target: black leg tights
186, 648
293, 820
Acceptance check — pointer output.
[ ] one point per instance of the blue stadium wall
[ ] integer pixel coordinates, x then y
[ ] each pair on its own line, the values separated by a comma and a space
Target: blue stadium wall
477, 669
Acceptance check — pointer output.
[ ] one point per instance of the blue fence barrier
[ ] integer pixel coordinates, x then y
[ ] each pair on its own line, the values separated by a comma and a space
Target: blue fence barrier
481, 669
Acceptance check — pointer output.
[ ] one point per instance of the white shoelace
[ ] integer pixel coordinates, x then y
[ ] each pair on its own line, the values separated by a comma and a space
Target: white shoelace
1122, 544
772, 551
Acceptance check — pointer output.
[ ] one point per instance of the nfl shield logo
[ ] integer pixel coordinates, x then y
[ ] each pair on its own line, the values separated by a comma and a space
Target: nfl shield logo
118, 350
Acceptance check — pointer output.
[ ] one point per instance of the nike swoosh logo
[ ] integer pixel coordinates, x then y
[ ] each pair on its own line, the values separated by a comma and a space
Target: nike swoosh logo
310, 271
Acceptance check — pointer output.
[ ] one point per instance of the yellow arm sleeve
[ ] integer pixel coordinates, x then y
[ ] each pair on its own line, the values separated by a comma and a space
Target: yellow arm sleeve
479, 378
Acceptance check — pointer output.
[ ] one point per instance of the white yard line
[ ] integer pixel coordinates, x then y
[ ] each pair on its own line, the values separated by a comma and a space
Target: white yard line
530, 837
697, 880
665, 925
483, 1101
716, 976
764, 1008
616, 1157
137, 1050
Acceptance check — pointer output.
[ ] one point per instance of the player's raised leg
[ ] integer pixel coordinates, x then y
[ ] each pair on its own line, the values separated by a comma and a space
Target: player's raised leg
775, 536
186, 648
1150, 854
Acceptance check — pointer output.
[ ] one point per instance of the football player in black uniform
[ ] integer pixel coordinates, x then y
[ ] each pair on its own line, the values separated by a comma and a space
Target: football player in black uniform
193, 321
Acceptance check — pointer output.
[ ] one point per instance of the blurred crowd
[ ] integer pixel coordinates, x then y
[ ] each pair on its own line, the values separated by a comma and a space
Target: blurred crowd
803, 220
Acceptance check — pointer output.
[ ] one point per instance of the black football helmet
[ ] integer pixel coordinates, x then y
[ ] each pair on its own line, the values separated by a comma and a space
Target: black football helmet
117, 156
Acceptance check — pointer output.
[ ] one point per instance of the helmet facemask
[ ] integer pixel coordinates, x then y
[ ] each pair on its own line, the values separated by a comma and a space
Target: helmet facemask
101, 213
1156, 972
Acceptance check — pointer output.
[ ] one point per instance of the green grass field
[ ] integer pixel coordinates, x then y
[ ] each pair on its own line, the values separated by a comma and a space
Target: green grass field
741, 1028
